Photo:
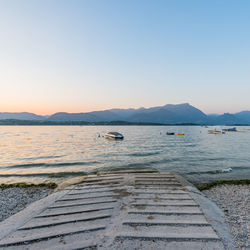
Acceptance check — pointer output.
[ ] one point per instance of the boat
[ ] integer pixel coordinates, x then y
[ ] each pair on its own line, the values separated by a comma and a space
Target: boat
170, 133
180, 134
215, 132
238, 130
230, 129
114, 135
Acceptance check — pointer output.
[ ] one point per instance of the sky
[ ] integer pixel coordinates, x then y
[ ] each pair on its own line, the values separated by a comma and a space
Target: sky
80, 56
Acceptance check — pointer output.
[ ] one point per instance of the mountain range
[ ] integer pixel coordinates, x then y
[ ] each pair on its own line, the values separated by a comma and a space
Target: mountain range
167, 114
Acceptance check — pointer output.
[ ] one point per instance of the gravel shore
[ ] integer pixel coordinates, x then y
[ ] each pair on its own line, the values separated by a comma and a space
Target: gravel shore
234, 200
14, 199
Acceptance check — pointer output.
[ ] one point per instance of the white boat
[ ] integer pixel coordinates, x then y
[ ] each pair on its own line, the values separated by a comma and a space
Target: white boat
216, 132
114, 135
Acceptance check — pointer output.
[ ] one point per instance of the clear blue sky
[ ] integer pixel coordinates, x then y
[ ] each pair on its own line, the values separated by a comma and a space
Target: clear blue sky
74, 56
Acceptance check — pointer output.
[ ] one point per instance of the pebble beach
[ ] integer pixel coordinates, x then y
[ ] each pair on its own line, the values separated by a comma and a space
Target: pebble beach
15, 199
234, 201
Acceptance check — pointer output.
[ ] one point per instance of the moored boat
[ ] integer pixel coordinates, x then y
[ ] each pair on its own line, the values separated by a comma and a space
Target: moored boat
215, 132
114, 135
180, 134
230, 129
170, 133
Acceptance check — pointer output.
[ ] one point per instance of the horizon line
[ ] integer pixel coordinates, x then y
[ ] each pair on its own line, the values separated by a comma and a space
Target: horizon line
108, 109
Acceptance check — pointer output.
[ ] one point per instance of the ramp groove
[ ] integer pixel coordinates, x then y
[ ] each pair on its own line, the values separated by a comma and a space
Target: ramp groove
125, 209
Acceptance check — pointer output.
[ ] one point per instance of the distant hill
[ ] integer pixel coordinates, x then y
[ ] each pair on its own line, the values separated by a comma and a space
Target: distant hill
244, 116
167, 114
21, 116
96, 116
225, 119
126, 113
170, 114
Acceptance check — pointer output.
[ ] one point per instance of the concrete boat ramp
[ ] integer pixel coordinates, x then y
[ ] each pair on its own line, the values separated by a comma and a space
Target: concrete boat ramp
114, 210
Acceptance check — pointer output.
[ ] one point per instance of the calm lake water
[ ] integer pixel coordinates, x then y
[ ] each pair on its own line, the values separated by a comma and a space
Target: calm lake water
53, 153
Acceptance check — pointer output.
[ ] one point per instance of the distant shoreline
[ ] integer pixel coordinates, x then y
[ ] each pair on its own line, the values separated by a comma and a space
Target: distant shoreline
15, 122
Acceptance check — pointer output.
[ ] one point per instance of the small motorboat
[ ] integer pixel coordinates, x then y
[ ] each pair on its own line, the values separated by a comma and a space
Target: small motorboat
230, 129
180, 134
114, 135
215, 132
170, 133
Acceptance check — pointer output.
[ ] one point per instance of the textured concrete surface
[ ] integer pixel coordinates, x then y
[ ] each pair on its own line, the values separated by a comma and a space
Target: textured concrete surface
114, 210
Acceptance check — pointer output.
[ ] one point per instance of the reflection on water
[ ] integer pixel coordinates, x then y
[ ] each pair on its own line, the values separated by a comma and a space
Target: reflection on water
46, 153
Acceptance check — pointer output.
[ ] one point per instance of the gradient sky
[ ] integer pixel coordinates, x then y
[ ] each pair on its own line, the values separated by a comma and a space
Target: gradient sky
86, 55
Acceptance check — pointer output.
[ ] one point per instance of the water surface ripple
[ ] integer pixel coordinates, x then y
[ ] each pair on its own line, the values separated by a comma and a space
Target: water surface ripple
52, 153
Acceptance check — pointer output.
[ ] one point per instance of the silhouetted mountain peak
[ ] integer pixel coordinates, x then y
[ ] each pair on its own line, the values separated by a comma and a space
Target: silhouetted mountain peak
167, 114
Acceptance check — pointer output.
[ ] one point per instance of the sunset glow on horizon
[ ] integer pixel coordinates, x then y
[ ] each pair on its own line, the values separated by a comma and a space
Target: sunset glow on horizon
82, 56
